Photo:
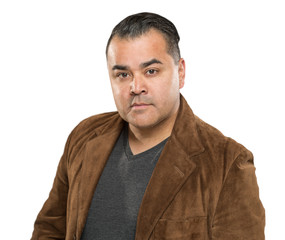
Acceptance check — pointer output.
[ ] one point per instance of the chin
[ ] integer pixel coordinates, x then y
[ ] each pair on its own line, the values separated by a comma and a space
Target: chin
144, 123
141, 122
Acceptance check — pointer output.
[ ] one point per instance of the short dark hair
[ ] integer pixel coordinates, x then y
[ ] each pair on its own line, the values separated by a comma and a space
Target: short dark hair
138, 24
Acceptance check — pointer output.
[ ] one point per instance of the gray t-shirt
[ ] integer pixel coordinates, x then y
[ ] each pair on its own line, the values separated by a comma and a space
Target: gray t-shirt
118, 195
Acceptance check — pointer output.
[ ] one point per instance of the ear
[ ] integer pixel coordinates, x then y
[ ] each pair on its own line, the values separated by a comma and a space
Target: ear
181, 72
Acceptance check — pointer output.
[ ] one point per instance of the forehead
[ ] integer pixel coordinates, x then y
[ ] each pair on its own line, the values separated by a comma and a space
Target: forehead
139, 49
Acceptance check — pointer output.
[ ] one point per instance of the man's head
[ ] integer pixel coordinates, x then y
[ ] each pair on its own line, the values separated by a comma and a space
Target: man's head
145, 69
138, 24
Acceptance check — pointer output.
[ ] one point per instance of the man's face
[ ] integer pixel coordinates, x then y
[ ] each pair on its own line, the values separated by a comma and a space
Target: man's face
145, 79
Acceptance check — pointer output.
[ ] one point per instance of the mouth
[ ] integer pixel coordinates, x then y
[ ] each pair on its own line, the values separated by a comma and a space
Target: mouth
140, 105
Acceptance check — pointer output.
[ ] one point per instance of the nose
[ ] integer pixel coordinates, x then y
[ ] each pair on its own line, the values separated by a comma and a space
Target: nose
138, 86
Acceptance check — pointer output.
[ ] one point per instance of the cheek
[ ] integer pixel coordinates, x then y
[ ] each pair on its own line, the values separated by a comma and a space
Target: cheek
120, 95
169, 93
170, 87
116, 92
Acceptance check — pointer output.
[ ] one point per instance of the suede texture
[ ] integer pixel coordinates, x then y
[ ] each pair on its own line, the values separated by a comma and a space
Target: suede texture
203, 186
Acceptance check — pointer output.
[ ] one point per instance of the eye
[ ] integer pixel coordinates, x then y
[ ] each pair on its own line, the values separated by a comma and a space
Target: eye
151, 72
122, 75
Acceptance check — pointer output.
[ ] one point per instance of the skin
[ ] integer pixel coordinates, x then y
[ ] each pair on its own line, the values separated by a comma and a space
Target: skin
146, 85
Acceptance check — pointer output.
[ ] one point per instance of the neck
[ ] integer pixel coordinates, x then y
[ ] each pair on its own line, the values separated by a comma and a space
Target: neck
142, 139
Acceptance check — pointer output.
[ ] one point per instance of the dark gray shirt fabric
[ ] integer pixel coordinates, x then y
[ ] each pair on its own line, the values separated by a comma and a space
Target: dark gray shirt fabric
118, 195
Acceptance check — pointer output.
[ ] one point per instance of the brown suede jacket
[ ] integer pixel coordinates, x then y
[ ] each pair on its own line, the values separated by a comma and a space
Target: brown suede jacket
203, 186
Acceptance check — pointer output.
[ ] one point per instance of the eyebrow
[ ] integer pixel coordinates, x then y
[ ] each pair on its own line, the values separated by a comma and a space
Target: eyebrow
120, 67
142, 65
148, 63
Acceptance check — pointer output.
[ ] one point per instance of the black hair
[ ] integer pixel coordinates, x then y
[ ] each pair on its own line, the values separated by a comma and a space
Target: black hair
138, 24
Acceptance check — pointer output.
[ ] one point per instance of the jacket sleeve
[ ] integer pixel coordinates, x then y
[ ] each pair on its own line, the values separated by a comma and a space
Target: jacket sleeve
239, 212
51, 220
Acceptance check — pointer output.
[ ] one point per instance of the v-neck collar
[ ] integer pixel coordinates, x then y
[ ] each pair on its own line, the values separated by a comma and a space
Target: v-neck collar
154, 151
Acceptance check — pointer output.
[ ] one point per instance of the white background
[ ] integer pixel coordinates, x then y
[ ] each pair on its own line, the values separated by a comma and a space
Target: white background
53, 74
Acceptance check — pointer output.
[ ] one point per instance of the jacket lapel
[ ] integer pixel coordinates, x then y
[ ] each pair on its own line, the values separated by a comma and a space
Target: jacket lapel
172, 170
96, 155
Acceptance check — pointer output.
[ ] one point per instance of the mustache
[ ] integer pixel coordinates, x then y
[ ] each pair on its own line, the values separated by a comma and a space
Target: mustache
140, 99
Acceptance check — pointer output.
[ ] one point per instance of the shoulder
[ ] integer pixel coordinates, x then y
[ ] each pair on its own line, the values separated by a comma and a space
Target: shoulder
95, 123
89, 128
217, 144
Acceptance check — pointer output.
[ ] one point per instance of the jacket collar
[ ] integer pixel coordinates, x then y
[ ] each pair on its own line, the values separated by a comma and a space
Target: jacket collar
185, 130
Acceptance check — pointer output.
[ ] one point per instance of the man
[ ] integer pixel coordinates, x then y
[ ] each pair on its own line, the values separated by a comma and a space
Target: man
152, 170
